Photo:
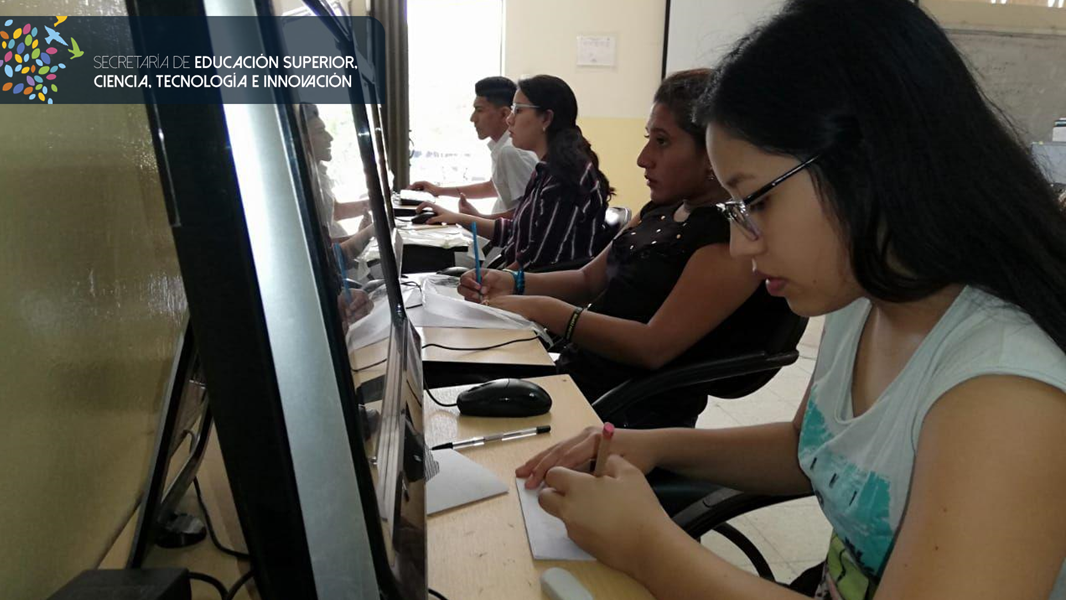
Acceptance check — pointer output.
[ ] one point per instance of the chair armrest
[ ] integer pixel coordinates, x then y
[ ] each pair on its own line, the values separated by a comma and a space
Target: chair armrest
721, 505
496, 263
630, 392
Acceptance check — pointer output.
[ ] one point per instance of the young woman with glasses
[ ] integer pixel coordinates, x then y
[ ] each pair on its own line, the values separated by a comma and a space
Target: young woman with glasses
666, 291
874, 184
561, 216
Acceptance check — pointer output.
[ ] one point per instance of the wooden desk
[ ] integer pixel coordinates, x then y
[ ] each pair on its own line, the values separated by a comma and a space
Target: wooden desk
480, 550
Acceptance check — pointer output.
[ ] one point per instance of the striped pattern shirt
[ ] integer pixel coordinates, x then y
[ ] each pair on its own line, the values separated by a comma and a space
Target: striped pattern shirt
554, 222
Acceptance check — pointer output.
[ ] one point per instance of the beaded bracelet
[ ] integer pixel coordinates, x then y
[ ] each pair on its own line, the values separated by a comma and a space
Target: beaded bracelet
519, 281
573, 323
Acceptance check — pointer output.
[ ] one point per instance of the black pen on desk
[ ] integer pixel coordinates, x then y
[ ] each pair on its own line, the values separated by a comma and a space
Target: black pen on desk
496, 437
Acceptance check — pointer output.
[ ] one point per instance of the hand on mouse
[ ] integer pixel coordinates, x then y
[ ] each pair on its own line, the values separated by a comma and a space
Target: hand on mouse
493, 284
616, 518
578, 452
443, 216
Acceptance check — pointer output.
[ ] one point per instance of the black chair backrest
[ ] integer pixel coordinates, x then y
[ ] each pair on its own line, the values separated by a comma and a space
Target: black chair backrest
783, 338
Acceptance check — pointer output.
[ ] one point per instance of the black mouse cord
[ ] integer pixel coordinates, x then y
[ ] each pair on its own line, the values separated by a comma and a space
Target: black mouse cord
438, 402
443, 347
492, 347
429, 391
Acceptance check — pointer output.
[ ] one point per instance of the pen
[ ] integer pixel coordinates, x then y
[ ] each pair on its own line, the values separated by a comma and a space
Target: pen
604, 449
340, 264
496, 437
477, 255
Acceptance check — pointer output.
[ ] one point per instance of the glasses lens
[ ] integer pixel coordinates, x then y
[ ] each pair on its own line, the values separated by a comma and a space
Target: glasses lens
734, 211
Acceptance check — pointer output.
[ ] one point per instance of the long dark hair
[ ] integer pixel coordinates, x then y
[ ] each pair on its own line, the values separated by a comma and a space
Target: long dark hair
929, 182
568, 151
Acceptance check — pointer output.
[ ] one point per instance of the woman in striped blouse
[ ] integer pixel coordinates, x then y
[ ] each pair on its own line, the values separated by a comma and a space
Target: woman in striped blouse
561, 216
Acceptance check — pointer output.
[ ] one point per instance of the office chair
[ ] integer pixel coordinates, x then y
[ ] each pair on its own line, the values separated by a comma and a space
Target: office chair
731, 377
699, 506
712, 507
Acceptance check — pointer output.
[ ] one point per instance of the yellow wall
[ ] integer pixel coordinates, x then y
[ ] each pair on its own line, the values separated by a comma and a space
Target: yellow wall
617, 142
541, 37
91, 308
1000, 17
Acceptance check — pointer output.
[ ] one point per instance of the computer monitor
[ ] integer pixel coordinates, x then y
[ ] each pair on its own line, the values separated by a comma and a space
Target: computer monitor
184, 416
322, 446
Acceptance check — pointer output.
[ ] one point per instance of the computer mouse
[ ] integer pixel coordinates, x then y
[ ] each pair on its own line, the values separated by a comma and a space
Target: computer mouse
504, 398
453, 271
424, 215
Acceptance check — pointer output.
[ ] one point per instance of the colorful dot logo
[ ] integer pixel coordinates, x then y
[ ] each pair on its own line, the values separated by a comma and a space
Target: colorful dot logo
30, 63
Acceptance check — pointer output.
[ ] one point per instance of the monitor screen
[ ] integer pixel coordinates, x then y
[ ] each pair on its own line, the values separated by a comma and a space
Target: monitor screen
383, 349
294, 293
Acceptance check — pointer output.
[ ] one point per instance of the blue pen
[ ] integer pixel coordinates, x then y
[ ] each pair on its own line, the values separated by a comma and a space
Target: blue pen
477, 256
340, 264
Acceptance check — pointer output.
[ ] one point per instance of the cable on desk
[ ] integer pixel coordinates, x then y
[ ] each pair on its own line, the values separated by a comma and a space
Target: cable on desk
492, 347
433, 592
209, 580
434, 398
232, 593
443, 347
211, 528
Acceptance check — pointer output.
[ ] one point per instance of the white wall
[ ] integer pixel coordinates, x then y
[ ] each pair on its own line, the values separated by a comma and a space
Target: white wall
701, 31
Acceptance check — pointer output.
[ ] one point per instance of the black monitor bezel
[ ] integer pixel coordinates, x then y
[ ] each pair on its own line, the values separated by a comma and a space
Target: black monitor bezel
193, 154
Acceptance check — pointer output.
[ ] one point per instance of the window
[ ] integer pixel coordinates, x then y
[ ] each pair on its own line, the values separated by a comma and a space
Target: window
451, 45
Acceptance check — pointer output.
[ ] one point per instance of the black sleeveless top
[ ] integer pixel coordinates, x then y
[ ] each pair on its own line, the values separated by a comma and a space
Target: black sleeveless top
644, 264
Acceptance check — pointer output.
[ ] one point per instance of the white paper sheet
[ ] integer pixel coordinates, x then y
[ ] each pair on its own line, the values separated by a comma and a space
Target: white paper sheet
376, 325
547, 534
460, 481
442, 306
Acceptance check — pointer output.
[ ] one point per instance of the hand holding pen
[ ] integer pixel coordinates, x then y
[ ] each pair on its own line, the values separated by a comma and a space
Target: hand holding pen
493, 284
580, 451
603, 449
612, 514
477, 258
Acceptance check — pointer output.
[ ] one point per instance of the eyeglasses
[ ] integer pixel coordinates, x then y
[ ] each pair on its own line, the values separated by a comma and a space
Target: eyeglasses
737, 210
517, 105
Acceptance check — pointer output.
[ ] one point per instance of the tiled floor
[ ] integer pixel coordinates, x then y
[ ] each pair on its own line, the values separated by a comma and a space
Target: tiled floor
792, 536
